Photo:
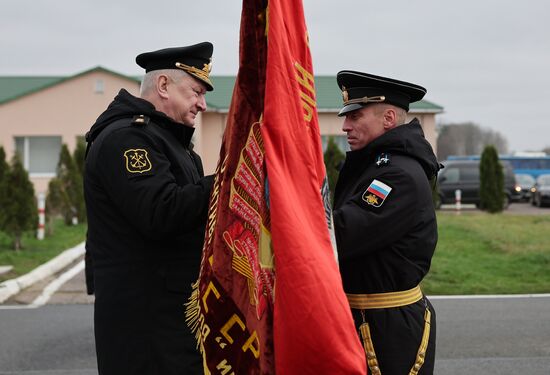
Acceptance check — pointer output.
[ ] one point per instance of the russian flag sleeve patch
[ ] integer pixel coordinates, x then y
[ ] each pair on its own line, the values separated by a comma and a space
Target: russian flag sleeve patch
376, 193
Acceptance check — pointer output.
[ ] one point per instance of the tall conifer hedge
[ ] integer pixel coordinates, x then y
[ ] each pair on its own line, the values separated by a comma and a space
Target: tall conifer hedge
491, 176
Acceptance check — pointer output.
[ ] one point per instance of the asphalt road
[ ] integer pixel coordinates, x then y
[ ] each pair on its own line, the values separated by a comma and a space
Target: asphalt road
487, 336
50, 340
493, 336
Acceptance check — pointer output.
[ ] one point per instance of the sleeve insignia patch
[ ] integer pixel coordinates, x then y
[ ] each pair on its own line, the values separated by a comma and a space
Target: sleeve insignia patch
376, 193
137, 160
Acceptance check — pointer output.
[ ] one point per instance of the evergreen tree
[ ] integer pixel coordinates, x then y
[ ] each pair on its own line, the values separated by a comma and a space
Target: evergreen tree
79, 155
56, 203
491, 176
20, 208
70, 180
333, 158
4, 169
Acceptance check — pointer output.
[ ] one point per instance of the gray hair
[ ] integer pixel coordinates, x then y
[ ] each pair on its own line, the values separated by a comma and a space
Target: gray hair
401, 114
150, 79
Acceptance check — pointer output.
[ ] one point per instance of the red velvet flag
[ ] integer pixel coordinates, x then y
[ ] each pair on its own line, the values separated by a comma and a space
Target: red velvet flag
269, 296
313, 328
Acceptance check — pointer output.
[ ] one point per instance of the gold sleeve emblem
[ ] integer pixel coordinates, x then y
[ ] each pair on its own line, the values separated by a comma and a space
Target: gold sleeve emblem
137, 160
371, 199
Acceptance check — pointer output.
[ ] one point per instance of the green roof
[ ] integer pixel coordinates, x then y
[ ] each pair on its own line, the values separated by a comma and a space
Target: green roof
13, 87
328, 95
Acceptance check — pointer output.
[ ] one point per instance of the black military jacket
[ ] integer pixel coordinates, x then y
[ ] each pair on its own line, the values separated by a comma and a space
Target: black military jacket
147, 201
385, 243
386, 234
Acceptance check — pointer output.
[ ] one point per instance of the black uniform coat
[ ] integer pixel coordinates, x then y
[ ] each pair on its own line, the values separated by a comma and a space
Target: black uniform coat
147, 202
387, 246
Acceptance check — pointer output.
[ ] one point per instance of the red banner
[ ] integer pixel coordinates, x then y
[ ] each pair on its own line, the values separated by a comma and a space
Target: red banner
313, 328
269, 295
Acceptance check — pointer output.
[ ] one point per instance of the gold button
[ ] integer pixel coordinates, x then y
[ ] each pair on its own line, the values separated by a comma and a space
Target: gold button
375, 370
370, 355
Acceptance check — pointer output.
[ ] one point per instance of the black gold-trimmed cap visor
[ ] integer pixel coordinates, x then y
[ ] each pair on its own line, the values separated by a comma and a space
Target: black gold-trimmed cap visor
202, 75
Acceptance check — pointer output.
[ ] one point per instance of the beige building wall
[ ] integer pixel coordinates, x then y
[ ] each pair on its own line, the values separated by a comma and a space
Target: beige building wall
427, 120
208, 138
67, 109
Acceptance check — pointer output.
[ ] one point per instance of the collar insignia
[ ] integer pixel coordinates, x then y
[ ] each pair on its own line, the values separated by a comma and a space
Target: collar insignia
382, 160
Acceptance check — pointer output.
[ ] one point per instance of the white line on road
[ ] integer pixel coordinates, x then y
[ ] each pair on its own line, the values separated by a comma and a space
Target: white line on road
56, 284
491, 296
50, 289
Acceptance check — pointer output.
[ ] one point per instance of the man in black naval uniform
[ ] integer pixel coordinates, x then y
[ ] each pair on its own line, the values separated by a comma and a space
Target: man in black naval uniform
385, 223
147, 201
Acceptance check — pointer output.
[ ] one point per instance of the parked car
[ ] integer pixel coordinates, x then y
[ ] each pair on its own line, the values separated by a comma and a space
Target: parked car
464, 176
524, 184
541, 191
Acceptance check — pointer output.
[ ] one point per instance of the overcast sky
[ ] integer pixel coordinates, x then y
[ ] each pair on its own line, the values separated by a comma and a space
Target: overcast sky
484, 61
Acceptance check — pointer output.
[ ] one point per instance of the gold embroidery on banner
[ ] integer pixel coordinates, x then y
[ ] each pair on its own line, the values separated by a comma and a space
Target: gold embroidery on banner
249, 238
137, 160
306, 81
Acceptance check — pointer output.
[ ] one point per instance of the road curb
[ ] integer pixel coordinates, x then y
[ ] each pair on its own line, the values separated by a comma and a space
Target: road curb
11, 287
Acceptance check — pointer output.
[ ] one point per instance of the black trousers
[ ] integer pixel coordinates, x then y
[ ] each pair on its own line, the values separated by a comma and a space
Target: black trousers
396, 336
140, 327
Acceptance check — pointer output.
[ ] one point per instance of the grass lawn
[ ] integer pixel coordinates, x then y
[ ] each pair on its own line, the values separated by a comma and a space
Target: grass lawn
480, 253
477, 253
36, 252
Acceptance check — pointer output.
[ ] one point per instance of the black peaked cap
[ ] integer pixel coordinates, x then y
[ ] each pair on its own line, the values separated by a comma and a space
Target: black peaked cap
360, 89
195, 60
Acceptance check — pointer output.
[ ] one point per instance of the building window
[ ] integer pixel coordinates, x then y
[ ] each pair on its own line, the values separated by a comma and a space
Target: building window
340, 140
99, 86
39, 155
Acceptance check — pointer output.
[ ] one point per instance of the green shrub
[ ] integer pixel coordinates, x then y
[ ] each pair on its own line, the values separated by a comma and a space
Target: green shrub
19, 209
4, 169
491, 181
333, 157
65, 191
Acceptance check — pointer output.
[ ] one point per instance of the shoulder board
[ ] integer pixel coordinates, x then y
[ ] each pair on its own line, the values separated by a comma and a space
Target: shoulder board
140, 120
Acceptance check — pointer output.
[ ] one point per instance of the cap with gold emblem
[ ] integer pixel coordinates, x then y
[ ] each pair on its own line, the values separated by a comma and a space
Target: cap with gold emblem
195, 60
360, 89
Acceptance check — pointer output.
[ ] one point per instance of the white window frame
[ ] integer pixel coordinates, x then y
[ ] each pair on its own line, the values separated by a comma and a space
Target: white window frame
27, 154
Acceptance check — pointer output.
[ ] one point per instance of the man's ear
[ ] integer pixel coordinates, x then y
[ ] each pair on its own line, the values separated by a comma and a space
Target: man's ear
162, 86
389, 118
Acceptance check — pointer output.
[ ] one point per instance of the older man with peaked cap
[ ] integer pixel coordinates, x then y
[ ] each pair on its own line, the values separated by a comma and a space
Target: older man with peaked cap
385, 223
147, 201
